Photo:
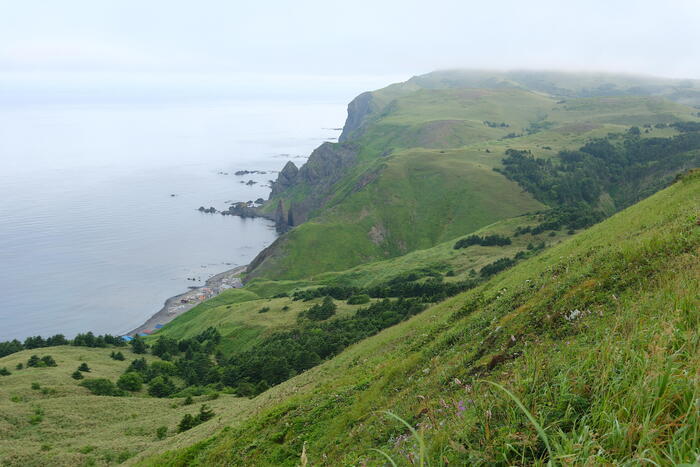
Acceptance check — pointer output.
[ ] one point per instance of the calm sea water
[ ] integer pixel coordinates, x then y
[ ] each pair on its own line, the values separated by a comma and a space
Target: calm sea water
90, 236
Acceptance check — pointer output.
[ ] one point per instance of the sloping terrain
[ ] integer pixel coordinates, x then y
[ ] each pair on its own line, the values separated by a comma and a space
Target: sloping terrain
597, 338
439, 248
421, 154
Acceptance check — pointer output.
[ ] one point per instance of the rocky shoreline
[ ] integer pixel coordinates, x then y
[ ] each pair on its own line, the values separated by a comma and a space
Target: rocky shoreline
179, 304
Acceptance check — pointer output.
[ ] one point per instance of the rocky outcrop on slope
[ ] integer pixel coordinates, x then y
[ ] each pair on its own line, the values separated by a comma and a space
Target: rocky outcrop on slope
358, 109
325, 167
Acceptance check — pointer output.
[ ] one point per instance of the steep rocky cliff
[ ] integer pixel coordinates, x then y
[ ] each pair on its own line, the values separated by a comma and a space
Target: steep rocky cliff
358, 111
315, 179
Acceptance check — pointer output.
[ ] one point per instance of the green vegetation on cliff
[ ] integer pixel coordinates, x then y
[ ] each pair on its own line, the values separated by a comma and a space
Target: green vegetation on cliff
420, 171
437, 250
596, 337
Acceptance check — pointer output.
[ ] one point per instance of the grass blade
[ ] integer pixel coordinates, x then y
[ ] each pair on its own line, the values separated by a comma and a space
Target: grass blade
388, 457
537, 426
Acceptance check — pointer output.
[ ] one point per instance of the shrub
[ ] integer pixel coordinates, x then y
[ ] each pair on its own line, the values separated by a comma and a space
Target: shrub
497, 266
323, 311
130, 382
161, 432
117, 356
34, 361
489, 240
264, 309
188, 421
4, 372
161, 369
205, 413
36, 386
188, 401
19, 366
102, 387
138, 345
38, 416
359, 299
84, 367
77, 375
161, 386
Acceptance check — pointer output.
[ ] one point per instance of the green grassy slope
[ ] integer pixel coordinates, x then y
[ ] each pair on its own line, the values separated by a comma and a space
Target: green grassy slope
597, 337
424, 171
61, 423
235, 312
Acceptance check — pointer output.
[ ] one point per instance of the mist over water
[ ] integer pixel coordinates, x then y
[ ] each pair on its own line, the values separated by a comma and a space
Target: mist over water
90, 236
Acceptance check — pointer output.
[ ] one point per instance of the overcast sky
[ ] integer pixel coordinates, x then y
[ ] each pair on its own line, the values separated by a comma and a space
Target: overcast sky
352, 37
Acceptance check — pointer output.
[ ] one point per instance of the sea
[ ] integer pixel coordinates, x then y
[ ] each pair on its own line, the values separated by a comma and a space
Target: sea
100, 185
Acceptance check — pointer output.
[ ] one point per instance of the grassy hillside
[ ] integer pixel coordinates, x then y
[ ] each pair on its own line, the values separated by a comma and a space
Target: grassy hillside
235, 313
591, 337
597, 338
425, 153
60, 423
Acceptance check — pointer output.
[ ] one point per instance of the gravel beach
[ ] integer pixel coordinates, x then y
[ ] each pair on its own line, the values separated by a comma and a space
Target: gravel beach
177, 305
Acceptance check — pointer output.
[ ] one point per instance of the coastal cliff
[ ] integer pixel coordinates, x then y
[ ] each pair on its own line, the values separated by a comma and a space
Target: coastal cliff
326, 165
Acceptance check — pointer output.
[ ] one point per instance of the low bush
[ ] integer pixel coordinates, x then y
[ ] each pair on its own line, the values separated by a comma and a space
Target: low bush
359, 299
102, 387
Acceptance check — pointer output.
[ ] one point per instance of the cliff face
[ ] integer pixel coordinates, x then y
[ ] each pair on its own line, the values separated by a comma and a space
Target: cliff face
286, 178
358, 110
326, 165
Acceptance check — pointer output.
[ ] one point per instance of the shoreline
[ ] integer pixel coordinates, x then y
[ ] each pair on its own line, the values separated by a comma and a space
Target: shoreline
179, 304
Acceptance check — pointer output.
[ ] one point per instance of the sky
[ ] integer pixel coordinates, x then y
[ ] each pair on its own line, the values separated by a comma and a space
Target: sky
316, 40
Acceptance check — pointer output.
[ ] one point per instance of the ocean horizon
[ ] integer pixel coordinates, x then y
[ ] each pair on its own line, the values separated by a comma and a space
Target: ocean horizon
98, 213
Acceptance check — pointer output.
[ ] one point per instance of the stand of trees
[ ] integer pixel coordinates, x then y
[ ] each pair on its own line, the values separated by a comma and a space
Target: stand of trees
626, 167
488, 240
37, 342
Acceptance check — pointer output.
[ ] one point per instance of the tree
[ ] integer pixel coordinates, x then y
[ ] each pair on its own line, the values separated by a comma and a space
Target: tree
48, 360
139, 365
34, 342
261, 387
117, 356
160, 386
34, 360
138, 345
306, 359
130, 382
10, 347
84, 367
186, 423
58, 339
102, 387
359, 299
323, 311
205, 413
164, 345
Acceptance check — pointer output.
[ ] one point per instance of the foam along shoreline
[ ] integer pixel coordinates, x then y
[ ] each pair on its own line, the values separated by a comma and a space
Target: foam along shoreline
179, 304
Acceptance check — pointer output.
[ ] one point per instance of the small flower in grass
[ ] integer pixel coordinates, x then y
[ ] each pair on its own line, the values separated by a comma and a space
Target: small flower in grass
460, 408
488, 414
